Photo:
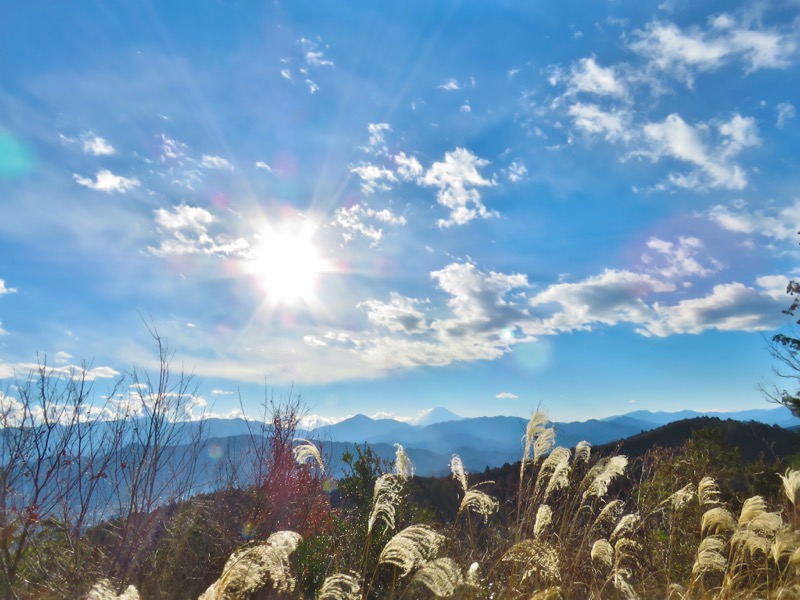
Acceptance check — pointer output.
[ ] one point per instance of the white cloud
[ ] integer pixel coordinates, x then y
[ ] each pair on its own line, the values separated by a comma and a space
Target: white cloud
286, 74
262, 165
408, 167
778, 223
449, 85
589, 77
785, 112
22, 370
376, 136
374, 177
511, 73
610, 298
188, 226
314, 341
313, 88
465, 108
63, 358
506, 396
215, 162
352, 221
516, 171
729, 307
218, 392
106, 181
172, 149
398, 315
95, 145
685, 52
591, 118
6, 290
312, 54
675, 138
457, 178
678, 260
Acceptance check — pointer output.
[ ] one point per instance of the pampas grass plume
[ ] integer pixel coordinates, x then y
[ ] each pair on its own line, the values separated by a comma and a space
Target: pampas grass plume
544, 516
384, 500
441, 576
717, 521
458, 471
411, 548
603, 553
480, 503
341, 587
403, 467
791, 485
306, 450
104, 590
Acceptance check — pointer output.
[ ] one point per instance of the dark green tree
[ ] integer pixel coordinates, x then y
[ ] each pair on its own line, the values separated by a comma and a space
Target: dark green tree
786, 350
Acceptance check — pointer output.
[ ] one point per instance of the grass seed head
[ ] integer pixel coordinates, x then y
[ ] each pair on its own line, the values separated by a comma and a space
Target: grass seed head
602, 474
535, 559
411, 548
459, 472
104, 590
403, 467
708, 491
717, 521
480, 503
583, 451
791, 485
603, 553
544, 516
306, 450
441, 576
385, 498
710, 556
341, 587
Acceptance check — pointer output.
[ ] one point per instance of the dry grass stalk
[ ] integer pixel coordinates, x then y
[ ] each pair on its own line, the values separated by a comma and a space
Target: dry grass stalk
441, 576
411, 548
538, 439
341, 587
306, 451
385, 497
749, 544
251, 568
710, 556
104, 590
754, 516
786, 542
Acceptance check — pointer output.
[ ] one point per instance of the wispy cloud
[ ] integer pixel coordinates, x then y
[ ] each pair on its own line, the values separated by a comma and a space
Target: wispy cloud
106, 181
359, 219
215, 162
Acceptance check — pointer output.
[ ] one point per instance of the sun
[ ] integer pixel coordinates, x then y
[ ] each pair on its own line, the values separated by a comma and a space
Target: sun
288, 265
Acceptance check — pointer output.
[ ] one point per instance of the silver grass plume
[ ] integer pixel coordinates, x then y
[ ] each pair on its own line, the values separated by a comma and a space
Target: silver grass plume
538, 438
603, 553
480, 503
710, 556
384, 500
441, 576
341, 586
622, 583
625, 526
104, 590
251, 568
583, 451
306, 450
754, 516
708, 491
681, 499
535, 558
458, 471
717, 521
791, 485
603, 473
794, 560
411, 548
403, 467
786, 542
474, 575
609, 514
544, 516
555, 471
626, 555
749, 543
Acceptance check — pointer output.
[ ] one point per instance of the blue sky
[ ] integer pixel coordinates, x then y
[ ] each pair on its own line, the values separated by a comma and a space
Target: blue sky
486, 206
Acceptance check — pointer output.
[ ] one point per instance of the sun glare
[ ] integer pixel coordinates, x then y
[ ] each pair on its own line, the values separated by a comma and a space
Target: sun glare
288, 265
